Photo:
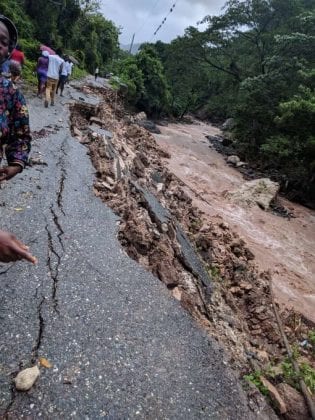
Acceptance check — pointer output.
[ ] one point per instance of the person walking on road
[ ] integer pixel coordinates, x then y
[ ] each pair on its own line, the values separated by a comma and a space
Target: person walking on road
63, 76
41, 71
97, 70
54, 70
14, 135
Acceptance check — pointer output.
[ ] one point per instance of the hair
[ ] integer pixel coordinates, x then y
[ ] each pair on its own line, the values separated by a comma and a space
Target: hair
12, 31
59, 51
18, 47
15, 68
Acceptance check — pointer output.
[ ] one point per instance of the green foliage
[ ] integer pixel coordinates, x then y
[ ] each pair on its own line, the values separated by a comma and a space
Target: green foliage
311, 336
214, 272
255, 62
78, 72
73, 25
30, 48
14, 10
155, 97
308, 375
306, 371
28, 72
254, 378
132, 76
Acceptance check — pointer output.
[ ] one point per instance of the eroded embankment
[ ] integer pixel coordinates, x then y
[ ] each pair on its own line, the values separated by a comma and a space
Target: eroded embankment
158, 222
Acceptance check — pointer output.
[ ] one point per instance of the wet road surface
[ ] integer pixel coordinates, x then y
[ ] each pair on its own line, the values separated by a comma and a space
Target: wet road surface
120, 345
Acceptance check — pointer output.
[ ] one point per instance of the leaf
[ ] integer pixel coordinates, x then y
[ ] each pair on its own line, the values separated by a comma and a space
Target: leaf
18, 209
45, 363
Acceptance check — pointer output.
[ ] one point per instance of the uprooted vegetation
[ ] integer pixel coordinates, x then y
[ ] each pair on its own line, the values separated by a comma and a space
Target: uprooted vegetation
164, 232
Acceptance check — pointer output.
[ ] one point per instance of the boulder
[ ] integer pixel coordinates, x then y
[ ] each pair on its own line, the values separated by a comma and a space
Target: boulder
140, 117
257, 192
229, 124
294, 401
234, 160
275, 396
149, 125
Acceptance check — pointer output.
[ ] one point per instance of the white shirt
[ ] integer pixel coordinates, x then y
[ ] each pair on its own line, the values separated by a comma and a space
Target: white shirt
66, 69
54, 66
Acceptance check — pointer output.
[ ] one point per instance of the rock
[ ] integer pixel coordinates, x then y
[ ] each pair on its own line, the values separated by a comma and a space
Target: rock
259, 192
140, 117
227, 141
26, 378
228, 125
275, 396
150, 126
296, 407
37, 161
262, 355
233, 159
240, 164
97, 121
164, 227
224, 226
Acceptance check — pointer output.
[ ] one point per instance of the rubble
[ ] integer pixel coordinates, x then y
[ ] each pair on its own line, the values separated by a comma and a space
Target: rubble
224, 291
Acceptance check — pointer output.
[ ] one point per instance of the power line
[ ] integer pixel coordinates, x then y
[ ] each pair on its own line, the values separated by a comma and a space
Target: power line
146, 19
164, 20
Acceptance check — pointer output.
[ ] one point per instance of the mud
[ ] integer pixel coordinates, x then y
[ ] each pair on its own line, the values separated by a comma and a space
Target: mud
129, 162
283, 246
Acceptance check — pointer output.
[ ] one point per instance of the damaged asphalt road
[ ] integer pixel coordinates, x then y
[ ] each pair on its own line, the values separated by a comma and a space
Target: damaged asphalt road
120, 345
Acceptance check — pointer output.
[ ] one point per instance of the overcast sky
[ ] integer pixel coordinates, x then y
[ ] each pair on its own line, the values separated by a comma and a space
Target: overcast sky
144, 16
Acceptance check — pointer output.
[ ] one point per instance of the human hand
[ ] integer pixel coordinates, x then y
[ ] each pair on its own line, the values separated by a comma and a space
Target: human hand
11, 249
8, 172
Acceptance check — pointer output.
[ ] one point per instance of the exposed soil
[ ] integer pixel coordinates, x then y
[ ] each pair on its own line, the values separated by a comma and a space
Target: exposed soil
238, 310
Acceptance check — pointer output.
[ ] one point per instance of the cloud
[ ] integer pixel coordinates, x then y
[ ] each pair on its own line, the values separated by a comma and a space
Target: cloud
144, 16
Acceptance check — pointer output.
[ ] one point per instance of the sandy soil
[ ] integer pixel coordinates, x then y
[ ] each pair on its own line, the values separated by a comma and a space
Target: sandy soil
285, 247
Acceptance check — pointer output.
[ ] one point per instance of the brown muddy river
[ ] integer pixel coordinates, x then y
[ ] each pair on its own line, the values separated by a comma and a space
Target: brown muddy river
285, 247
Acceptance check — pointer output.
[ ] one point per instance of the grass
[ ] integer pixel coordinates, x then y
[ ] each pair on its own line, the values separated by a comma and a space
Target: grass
254, 378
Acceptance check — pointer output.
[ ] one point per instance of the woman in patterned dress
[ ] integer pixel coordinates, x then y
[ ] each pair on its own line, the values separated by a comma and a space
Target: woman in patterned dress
15, 137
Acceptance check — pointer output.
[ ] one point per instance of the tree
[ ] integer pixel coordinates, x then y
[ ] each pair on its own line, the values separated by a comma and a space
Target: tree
155, 98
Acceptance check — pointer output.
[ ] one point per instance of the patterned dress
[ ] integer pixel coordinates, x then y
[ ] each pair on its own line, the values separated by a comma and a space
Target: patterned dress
14, 125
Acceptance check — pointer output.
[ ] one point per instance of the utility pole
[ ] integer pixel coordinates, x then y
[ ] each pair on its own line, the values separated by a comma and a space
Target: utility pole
131, 45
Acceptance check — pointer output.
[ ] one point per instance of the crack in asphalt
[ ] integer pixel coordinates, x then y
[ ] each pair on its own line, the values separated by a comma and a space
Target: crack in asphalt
8, 269
54, 271
7, 414
61, 163
58, 226
60, 191
40, 333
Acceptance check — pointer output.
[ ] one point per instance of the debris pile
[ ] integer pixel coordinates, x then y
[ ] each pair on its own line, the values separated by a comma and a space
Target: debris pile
206, 266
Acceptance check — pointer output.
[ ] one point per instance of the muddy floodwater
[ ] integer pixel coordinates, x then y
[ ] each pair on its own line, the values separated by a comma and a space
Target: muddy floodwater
285, 247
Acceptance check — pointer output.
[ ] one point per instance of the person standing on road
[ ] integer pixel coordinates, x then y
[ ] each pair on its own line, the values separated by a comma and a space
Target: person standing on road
15, 135
54, 70
97, 70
